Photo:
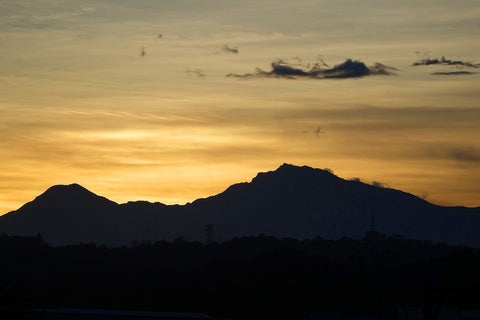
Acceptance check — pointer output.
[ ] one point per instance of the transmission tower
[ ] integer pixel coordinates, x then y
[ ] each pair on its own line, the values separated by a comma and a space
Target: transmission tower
209, 233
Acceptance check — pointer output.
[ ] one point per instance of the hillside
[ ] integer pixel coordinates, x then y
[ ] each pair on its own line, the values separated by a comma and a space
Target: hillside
296, 202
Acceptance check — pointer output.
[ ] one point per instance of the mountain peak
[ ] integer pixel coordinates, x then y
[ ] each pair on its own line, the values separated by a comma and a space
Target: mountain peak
288, 172
63, 190
67, 187
68, 196
286, 167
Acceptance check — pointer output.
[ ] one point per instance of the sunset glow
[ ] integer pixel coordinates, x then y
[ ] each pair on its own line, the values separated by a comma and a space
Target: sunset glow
148, 100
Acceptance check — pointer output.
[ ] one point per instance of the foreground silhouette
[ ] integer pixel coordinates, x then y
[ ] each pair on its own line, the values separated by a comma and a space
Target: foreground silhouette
246, 278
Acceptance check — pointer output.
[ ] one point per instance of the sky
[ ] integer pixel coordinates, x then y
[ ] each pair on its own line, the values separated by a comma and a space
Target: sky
171, 101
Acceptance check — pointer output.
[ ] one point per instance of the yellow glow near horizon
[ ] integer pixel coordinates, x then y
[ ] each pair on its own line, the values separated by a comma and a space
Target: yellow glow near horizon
79, 103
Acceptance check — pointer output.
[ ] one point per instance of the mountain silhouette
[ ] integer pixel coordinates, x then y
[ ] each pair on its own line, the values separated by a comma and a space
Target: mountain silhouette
292, 201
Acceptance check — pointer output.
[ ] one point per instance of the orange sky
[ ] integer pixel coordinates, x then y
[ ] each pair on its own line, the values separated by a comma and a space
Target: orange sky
79, 103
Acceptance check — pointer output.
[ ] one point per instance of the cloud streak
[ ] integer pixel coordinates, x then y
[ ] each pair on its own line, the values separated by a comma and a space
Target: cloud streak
199, 73
347, 69
452, 73
464, 154
427, 61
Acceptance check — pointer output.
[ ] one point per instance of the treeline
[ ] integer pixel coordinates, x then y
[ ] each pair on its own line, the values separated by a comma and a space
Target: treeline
251, 277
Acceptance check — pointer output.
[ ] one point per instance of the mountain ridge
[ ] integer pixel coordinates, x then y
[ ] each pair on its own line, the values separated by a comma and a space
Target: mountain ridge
298, 202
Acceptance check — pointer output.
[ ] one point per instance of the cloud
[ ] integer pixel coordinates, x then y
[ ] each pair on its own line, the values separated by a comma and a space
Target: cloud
348, 69
452, 73
379, 184
227, 49
426, 61
374, 183
464, 154
199, 73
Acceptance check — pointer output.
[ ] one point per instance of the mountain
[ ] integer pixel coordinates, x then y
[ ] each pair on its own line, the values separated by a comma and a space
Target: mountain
296, 202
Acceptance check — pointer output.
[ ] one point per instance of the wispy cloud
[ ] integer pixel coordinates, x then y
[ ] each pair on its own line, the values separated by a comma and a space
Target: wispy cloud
348, 69
199, 73
227, 49
452, 73
464, 154
425, 60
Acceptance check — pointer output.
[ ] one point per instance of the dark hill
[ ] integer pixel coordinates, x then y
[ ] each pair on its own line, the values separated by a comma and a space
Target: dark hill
63, 214
302, 202
297, 202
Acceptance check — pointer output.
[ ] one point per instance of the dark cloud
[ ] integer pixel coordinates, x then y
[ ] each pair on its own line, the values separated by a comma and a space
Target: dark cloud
451, 73
464, 154
427, 61
228, 49
348, 69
